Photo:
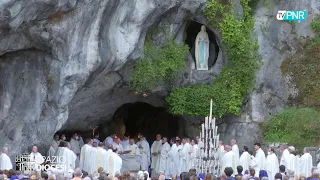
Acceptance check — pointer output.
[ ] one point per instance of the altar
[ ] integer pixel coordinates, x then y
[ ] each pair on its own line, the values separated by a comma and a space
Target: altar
131, 162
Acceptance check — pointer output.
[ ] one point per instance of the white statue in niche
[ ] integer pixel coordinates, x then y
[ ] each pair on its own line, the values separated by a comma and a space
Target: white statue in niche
202, 49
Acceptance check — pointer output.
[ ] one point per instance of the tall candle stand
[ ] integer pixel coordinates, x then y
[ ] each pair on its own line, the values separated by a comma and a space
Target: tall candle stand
208, 159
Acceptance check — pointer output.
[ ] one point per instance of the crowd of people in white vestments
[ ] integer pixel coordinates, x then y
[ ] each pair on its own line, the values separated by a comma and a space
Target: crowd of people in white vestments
173, 158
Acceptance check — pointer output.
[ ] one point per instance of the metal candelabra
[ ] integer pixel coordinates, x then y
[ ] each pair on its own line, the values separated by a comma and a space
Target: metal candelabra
208, 159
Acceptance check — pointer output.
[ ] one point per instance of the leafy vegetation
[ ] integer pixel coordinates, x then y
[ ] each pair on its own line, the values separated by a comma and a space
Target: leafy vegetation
304, 68
236, 78
159, 66
296, 126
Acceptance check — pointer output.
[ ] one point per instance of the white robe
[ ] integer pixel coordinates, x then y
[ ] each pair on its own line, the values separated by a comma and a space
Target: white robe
185, 157
306, 164
260, 159
164, 159
119, 147
255, 166
101, 158
195, 154
114, 163
285, 158
272, 165
221, 151
229, 160
69, 159
93, 161
75, 147
175, 159
292, 164
145, 151
133, 149
5, 162
86, 157
235, 150
36, 158
155, 148
245, 160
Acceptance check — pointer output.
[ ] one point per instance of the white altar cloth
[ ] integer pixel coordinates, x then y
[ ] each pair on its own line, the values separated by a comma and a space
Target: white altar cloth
131, 162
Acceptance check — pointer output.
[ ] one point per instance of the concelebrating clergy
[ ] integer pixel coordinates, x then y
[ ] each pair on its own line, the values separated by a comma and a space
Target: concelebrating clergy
166, 157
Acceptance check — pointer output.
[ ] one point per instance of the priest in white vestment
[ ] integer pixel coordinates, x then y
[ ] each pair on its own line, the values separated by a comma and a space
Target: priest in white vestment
132, 148
93, 165
174, 155
164, 162
185, 155
101, 157
272, 163
229, 159
245, 160
54, 146
86, 156
155, 150
125, 141
306, 163
260, 156
285, 155
144, 147
221, 150
5, 162
292, 161
117, 147
195, 153
235, 150
114, 162
200, 143
67, 157
254, 164
35, 157
75, 147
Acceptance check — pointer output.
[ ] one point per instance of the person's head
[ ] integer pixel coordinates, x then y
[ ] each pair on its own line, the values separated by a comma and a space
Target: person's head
183, 140
95, 144
63, 137
158, 137
227, 148
34, 149
233, 142
208, 176
239, 169
44, 176
192, 171
184, 176
270, 150
117, 140
315, 173
162, 177
77, 173
178, 141
290, 173
110, 146
5, 150
257, 146
197, 138
193, 177
126, 136
101, 144
131, 141
291, 149
187, 140
283, 147
245, 149
282, 169
252, 172
141, 137
56, 137
306, 150
75, 136
250, 152
228, 171
278, 176
173, 140
96, 136
194, 142
245, 177
89, 141
164, 139
220, 143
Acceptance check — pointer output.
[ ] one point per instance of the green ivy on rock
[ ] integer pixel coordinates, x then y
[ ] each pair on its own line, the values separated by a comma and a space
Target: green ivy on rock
236, 78
158, 66
296, 126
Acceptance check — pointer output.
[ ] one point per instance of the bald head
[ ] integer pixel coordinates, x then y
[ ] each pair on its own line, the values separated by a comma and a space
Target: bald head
233, 142
306, 150
77, 172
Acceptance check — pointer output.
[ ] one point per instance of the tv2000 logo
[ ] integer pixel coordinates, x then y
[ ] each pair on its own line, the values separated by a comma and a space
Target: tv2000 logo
25, 163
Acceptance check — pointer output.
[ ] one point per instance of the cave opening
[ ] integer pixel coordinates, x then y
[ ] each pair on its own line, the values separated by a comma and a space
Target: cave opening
192, 30
141, 117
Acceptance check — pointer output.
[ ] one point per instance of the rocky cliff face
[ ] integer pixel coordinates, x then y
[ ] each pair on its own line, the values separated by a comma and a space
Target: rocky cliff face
65, 64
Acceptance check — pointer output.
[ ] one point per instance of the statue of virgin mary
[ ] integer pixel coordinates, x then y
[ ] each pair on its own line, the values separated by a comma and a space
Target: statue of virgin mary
202, 49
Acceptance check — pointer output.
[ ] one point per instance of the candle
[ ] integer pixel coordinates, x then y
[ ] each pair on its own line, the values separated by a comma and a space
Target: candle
202, 130
214, 123
206, 122
210, 117
216, 129
218, 139
200, 135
